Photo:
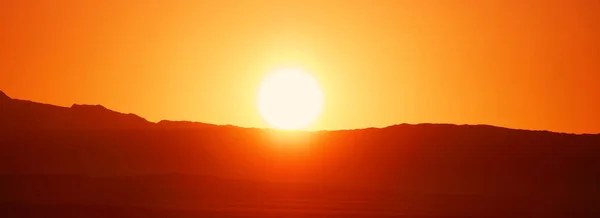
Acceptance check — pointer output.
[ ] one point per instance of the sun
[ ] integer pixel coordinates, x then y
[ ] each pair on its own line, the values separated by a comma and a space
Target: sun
290, 99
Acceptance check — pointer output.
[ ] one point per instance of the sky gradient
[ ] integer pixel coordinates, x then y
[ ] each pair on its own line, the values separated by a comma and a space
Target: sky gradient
518, 64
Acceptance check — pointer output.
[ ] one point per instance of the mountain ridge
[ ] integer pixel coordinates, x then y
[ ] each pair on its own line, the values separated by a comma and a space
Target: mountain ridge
100, 110
3, 95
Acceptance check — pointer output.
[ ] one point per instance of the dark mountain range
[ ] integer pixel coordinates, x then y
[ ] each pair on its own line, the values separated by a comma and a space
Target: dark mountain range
88, 159
20, 114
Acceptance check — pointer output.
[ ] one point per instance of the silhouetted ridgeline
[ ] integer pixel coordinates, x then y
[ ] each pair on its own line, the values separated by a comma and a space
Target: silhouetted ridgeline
89, 159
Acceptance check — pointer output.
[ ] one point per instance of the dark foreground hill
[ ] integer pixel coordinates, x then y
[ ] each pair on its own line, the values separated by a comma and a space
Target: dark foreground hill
88, 161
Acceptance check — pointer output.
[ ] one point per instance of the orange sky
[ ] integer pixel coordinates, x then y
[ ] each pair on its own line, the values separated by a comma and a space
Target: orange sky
520, 64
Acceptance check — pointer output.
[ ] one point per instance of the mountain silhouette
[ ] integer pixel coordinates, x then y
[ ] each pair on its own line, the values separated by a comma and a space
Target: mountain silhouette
20, 114
3, 96
91, 159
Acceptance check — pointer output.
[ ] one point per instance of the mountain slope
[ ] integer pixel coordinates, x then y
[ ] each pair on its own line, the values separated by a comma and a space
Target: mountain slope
20, 114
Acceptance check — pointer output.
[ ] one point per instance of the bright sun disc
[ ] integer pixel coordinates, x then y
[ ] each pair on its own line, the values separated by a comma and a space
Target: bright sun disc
290, 99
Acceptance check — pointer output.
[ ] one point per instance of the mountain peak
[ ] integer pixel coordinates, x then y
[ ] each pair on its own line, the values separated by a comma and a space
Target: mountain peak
3, 96
184, 124
105, 114
89, 107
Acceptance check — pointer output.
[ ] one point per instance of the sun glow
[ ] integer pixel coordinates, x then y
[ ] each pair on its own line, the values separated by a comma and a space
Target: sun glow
290, 99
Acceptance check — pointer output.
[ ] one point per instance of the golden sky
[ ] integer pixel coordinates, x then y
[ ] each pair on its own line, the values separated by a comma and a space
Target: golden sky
512, 63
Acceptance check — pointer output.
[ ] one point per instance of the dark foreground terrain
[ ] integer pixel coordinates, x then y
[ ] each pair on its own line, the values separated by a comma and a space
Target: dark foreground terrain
88, 161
